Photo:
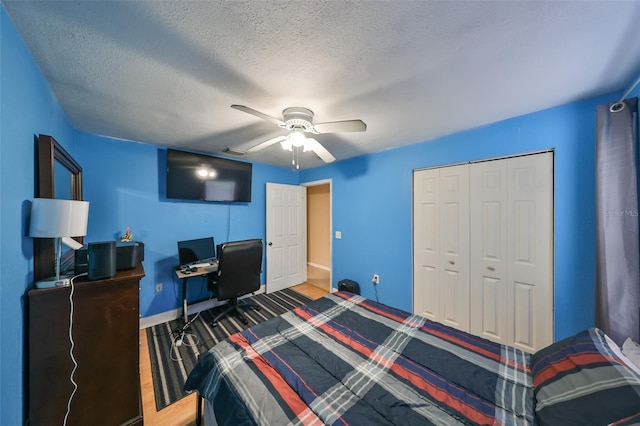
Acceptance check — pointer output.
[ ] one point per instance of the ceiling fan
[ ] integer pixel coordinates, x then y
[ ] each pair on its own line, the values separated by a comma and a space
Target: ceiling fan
298, 121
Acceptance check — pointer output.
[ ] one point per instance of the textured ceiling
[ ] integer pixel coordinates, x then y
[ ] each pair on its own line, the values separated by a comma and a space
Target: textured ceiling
166, 73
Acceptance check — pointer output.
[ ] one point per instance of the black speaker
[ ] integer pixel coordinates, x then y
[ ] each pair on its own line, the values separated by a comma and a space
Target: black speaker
128, 254
349, 285
102, 260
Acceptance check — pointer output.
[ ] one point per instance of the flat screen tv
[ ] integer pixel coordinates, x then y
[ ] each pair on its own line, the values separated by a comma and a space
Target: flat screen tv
192, 176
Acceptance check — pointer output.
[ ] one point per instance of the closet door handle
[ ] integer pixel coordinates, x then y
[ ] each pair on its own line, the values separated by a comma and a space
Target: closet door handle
491, 268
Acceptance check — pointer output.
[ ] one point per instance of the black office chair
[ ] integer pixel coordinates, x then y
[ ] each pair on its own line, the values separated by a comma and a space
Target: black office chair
239, 268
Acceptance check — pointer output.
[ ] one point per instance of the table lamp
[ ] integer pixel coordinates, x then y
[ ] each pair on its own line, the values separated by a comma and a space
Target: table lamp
59, 219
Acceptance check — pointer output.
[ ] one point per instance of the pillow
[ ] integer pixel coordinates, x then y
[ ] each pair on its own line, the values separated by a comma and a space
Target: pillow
632, 351
619, 353
583, 380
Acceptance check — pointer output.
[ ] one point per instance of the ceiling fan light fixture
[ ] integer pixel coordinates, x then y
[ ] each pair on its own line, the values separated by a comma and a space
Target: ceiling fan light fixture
298, 121
296, 138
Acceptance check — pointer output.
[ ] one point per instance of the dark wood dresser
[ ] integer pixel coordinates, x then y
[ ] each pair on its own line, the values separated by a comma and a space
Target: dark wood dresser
106, 337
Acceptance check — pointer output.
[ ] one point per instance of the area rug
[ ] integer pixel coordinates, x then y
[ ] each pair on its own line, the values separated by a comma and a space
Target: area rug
171, 363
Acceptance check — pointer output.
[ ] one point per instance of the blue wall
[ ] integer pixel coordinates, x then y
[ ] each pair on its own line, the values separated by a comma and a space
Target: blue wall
372, 205
125, 185
27, 108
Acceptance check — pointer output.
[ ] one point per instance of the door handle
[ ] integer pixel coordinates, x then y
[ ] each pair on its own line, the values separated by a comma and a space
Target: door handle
452, 262
270, 243
491, 268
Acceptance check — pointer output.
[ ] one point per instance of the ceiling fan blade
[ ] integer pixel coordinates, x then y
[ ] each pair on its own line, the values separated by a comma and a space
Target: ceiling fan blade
265, 144
259, 114
320, 150
341, 126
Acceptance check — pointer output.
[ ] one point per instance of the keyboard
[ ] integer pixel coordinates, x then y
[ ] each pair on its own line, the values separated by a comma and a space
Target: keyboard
201, 264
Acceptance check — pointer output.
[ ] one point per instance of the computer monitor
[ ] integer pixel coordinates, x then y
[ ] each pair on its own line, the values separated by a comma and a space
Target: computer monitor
190, 251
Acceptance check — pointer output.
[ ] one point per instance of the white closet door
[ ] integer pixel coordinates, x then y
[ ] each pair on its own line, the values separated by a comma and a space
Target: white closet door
426, 216
453, 249
530, 251
483, 248
488, 245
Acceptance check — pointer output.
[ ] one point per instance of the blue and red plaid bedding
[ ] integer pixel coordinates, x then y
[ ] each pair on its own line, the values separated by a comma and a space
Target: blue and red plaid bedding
585, 380
347, 360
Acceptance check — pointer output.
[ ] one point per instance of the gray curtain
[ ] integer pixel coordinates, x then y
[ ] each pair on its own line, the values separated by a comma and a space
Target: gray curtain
618, 276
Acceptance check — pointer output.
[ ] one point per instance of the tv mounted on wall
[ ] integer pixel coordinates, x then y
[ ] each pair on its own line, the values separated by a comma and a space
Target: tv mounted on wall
192, 176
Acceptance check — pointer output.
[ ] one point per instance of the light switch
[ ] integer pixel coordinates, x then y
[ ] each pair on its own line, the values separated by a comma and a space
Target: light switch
338, 235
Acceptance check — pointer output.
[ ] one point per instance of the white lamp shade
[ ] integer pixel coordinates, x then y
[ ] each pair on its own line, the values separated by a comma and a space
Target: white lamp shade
52, 218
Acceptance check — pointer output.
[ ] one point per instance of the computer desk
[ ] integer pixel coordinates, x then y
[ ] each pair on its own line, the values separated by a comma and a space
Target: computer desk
200, 272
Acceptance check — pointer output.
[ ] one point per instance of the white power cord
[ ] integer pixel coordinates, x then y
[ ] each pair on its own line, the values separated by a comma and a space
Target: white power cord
186, 339
73, 359
174, 347
182, 341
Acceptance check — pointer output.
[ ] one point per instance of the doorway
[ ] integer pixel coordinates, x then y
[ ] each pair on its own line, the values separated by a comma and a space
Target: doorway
319, 234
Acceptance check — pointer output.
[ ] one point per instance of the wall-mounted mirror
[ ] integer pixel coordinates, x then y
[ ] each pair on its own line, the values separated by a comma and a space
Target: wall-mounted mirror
59, 176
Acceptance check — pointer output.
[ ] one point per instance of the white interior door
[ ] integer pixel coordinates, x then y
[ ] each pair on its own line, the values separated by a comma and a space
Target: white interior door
286, 247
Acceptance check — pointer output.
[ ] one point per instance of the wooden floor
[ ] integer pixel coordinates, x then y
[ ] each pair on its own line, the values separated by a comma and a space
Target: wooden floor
319, 277
183, 412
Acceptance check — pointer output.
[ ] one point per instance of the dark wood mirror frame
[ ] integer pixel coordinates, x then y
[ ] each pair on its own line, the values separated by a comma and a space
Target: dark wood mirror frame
48, 152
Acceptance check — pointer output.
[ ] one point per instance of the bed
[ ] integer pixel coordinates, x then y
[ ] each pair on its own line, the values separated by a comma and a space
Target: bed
344, 359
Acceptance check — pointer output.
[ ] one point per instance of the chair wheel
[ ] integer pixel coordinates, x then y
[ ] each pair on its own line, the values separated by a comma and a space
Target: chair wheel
214, 324
245, 321
258, 308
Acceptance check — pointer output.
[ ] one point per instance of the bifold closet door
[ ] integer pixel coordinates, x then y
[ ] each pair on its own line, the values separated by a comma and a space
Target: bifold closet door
441, 245
483, 248
488, 245
530, 252
426, 219
453, 246
512, 250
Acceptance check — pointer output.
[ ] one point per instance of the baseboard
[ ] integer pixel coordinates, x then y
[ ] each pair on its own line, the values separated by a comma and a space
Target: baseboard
315, 265
173, 314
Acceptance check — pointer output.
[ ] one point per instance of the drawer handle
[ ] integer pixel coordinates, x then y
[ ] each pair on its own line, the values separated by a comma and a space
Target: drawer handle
491, 268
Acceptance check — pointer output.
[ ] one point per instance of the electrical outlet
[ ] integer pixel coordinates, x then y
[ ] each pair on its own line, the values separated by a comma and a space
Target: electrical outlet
159, 288
376, 279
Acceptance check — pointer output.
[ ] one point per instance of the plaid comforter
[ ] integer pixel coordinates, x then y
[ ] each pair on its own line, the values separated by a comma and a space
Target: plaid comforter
347, 360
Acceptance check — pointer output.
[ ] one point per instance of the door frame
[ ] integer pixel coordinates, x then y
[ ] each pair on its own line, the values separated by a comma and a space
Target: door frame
330, 183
